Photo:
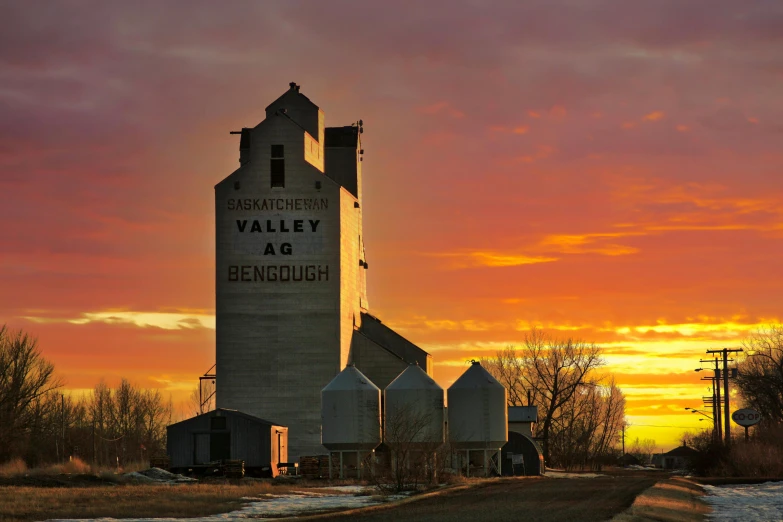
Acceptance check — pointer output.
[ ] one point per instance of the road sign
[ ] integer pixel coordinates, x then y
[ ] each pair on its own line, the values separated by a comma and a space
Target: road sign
746, 417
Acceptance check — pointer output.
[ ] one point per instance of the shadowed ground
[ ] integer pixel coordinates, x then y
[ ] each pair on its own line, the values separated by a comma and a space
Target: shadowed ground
529, 499
674, 500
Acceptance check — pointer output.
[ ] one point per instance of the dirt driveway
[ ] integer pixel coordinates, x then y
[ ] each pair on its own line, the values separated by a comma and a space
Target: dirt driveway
528, 499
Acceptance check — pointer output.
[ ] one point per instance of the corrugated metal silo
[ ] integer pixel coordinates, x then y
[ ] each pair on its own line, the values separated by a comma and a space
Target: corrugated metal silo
477, 414
351, 412
414, 402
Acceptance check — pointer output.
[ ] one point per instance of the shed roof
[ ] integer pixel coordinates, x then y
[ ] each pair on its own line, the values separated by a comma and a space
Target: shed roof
391, 341
229, 413
523, 414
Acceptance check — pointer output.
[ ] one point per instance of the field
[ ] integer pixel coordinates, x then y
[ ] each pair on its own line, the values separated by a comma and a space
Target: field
532, 498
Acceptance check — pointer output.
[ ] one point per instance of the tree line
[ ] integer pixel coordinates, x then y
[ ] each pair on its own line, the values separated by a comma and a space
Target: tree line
759, 378
581, 413
40, 424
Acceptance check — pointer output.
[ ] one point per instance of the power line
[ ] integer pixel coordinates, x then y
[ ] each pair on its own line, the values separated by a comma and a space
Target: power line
666, 426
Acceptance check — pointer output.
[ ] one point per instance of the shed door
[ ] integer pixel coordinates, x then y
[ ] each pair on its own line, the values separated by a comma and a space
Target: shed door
220, 446
200, 448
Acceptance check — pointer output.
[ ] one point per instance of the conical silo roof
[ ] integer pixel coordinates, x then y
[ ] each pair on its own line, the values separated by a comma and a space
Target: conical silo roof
413, 378
351, 412
350, 379
476, 377
414, 413
478, 415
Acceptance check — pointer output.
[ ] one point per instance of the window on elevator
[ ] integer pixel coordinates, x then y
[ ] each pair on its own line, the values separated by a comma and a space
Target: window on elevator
277, 166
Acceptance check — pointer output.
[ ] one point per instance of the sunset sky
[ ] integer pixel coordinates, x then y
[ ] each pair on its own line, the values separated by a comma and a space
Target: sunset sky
611, 171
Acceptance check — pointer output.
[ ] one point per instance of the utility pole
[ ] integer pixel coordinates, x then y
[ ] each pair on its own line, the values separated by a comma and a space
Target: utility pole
623, 439
710, 402
715, 415
716, 389
62, 410
727, 412
716, 402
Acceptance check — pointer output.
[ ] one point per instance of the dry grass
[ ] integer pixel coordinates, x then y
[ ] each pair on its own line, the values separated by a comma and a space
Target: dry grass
123, 501
756, 459
13, 468
74, 465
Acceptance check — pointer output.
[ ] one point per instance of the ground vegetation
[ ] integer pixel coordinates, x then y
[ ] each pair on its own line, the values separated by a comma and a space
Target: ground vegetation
43, 425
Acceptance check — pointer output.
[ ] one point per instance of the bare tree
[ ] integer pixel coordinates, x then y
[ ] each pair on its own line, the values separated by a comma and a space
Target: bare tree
760, 376
127, 423
643, 449
412, 438
201, 399
508, 368
559, 375
586, 429
555, 370
25, 377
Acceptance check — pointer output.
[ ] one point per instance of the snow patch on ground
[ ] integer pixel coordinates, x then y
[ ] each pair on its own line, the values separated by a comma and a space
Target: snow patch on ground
746, 503
564, 475
349, 489
157, 475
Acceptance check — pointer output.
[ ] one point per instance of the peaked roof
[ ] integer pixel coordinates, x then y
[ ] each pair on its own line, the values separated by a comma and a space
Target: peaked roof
476, 377
682, 451
229, 412
413, 378
292, 93
351, 379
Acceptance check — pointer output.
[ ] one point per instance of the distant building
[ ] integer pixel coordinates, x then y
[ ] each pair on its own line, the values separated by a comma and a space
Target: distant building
291, 302
629, 460
678, 458
522, 455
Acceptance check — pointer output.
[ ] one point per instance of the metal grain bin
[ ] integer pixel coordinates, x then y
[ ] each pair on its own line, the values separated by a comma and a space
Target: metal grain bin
478, 417
414, 405
350, 412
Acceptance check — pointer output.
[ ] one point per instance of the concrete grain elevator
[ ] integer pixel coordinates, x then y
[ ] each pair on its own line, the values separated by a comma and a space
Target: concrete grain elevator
291, 301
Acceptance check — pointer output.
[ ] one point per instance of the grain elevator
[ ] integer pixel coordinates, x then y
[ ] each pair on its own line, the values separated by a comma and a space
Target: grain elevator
291, 301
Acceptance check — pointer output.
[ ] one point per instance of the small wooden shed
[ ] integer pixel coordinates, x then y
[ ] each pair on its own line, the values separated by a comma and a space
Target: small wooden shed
224, 434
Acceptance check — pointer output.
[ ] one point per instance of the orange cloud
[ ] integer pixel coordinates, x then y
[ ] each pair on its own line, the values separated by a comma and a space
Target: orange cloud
442, 107
586, 243
519, 129
654, 116
558, 112
165, 320
470, 259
